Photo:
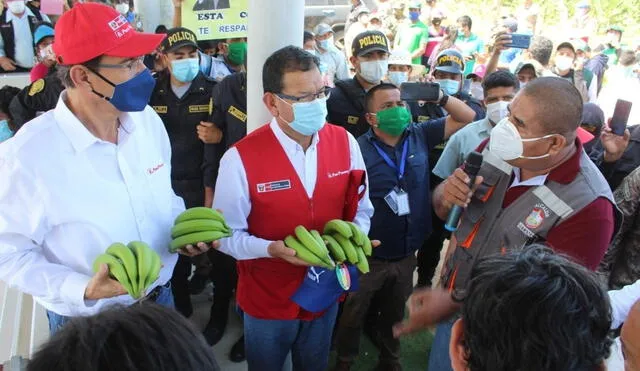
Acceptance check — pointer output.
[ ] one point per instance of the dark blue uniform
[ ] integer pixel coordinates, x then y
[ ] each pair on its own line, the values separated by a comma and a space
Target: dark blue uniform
346, 107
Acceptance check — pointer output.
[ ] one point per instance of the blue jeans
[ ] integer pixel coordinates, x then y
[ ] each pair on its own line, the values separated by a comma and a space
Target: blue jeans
268, 342
56, 321
439, 359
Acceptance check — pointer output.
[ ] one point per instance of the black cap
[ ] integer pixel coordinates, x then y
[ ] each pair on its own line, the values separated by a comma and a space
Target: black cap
592, 118
450, 61
369, 41
177, 38
566, 45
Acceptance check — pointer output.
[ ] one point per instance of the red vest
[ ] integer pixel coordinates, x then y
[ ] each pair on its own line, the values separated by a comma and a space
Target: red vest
279, 203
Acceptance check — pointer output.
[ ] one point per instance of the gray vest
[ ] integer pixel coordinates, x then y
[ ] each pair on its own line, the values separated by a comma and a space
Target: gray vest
486, 228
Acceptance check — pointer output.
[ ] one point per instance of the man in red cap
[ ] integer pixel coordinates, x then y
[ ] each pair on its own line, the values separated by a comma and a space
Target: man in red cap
91, 172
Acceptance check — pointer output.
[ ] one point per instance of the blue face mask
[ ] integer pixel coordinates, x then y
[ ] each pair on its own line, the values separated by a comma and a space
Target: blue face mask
308, 117
325, 44
5, 131
414, 16
132, 95
451, 87
185, 70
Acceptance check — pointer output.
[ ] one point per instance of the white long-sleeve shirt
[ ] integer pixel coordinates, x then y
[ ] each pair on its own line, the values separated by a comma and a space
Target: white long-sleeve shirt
24, 53
65, 196
621, 302
232, 192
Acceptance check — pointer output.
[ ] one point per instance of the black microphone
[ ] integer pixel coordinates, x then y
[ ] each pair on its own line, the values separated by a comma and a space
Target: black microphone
471, 167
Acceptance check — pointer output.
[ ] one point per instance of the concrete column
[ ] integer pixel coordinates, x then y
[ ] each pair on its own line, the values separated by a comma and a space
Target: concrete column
271, 27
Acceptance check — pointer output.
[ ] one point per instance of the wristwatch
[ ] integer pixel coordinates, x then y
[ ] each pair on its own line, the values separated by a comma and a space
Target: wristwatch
444, 98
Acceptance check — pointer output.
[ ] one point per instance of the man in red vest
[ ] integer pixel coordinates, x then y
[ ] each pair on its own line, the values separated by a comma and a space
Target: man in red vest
294, 171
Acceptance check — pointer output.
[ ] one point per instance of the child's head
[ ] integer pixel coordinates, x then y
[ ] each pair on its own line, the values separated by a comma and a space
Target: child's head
6, 95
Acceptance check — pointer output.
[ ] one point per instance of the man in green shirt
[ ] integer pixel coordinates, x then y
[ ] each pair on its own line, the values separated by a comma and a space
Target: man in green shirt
613, 45
470, 44
413, 36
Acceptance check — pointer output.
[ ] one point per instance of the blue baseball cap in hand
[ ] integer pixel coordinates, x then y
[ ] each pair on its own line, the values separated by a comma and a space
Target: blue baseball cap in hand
321, 288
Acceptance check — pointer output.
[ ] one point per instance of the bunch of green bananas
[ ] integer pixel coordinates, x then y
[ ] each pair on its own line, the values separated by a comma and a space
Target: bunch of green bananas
310, 247
136, 266
346, 242
198, 224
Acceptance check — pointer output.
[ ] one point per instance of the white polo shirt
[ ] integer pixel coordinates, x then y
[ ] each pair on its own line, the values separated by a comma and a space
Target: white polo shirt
66, 195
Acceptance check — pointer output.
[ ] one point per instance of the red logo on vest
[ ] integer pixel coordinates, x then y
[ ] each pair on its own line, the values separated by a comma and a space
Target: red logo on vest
278, 185
534, 219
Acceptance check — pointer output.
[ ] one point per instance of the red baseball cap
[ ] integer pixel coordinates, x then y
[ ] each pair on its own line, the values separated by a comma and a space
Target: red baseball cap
90, 30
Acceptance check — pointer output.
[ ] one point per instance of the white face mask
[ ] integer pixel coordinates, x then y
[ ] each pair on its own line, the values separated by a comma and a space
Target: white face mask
477, 91
398, 77
564, 63
506, 143
122, 8
16, 7
374, 71
497, 111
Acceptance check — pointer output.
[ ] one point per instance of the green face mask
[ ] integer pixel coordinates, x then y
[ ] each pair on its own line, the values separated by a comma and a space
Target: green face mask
237, 53
394, 120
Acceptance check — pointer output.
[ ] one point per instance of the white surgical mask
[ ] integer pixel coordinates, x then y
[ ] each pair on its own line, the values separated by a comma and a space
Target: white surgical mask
16, 7
477, 91
506, 142
374, 71
564, 63
122, 8
497, 111
398, 77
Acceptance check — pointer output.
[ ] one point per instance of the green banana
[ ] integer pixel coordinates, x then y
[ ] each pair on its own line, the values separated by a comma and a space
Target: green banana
116, 270
334, 247
337, 226
303, 253
200, 213
154, 270
196, 225
144, 256
347, 246
317, 248
129, 262
366, 247
363, 264
358, 235
194, 238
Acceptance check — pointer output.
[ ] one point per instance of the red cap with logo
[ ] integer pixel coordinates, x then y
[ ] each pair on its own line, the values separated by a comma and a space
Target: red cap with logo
90, 30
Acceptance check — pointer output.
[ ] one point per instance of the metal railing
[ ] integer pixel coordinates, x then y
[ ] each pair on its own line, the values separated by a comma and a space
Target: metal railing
23, 324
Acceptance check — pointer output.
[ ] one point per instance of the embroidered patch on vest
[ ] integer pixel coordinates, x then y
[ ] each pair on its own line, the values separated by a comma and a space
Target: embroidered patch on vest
36, 87
161, 109
233, 111
202, 108
423, 118
353, 120
534, 219
278, 185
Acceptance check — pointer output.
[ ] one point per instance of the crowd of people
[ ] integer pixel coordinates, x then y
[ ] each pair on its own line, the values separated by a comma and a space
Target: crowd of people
120, 131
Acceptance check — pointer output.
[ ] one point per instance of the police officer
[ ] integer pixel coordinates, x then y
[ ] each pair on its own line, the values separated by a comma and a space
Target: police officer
370, 58
230, 115
183, 99
41, 96
448, 72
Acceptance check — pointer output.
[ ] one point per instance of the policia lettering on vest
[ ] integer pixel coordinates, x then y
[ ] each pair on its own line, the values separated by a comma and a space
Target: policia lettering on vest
535, 184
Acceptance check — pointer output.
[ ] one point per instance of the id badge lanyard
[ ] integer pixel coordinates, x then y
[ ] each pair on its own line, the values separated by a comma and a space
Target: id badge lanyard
403, 159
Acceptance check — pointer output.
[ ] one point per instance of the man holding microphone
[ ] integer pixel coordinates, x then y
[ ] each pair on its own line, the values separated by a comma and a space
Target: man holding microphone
535, 184
296, 170
93, 171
